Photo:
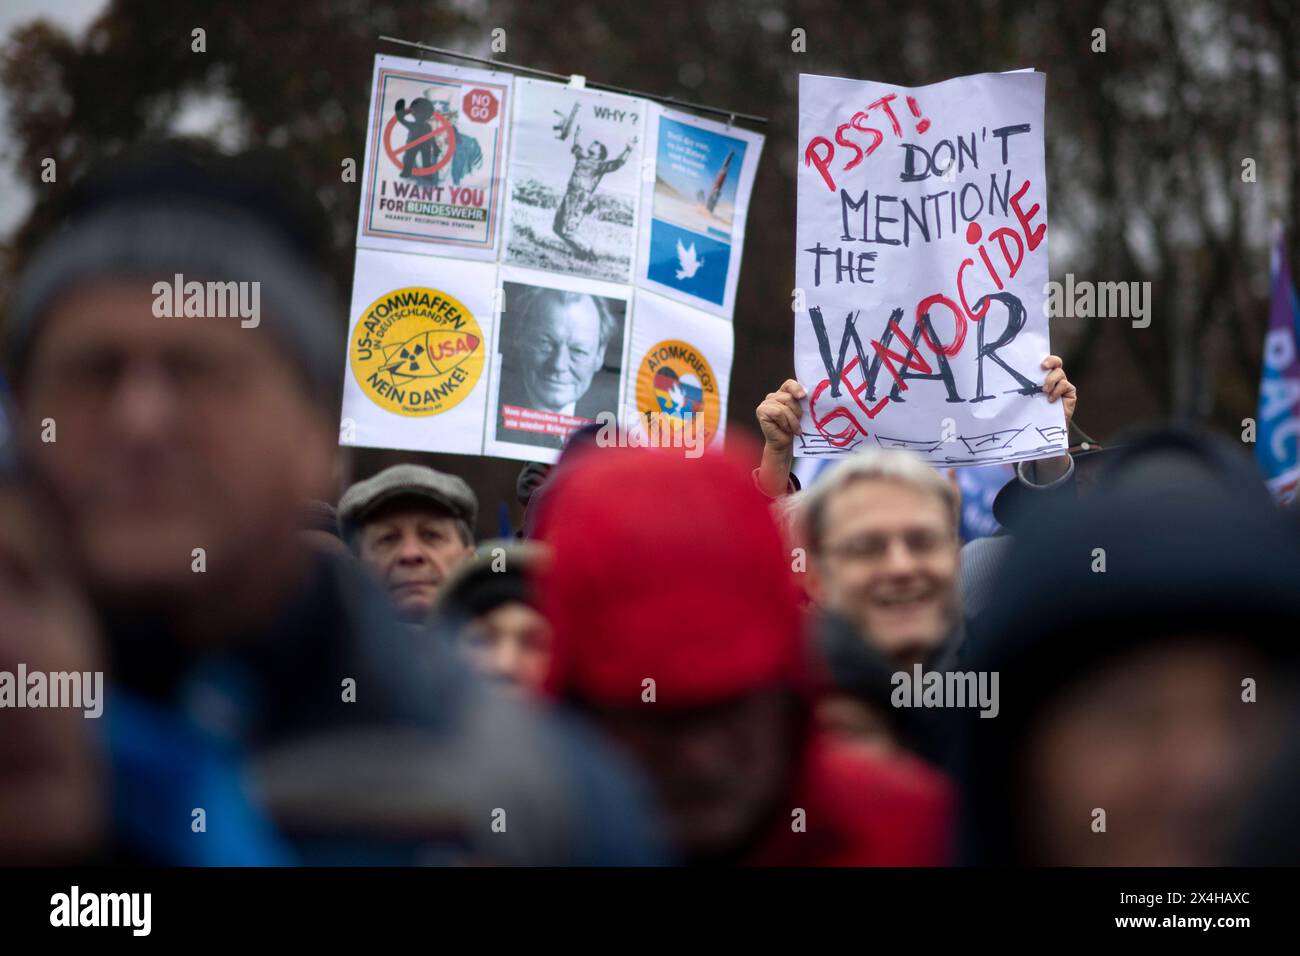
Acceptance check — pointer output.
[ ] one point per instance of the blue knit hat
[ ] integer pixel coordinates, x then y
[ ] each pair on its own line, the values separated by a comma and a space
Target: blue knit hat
163, 212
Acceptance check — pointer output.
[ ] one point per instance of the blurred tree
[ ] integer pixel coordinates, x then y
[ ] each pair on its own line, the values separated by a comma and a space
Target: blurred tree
1145, 141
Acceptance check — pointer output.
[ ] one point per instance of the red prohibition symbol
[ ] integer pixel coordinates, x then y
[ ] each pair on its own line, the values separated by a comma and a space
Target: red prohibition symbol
440, 125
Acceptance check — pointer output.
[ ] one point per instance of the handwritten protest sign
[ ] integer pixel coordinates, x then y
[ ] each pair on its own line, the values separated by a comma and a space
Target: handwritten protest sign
921, 269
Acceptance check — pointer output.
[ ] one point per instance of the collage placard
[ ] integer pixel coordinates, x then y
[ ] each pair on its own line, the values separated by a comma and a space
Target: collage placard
534, 256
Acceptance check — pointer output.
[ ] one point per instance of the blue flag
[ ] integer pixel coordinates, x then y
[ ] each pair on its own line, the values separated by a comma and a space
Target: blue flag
979, 486
1277, 447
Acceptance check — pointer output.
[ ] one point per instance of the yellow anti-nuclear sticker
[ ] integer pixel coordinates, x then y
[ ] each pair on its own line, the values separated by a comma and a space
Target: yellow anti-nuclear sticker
417, 352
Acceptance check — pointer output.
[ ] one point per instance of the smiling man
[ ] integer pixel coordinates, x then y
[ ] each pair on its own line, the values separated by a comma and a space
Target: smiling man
560, 340
412, 526
882, 535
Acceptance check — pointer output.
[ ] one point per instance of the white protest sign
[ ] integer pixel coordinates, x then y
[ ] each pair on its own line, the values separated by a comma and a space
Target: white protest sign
679, 367
506, 356
417, 353
694, 207
573, 180
557, 360
435, 159
921, 269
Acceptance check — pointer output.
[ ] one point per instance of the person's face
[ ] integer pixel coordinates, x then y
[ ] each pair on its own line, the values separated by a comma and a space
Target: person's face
856, 723
888, 562
511, 644
412, 550
563, 353
50, 783
717, 770
167, 435
1164, 744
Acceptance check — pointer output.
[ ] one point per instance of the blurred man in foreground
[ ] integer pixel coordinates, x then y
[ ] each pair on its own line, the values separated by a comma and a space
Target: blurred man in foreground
53, 791
1146, 669
255, 676
678, 631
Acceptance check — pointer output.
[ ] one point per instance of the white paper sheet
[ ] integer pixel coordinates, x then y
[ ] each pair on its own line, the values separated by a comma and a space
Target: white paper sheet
434, 175
557, 361
694, 203
417, 366
679, 367
913, 202
574, 180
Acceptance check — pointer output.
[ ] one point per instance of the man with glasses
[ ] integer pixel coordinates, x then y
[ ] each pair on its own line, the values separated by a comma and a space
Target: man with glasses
881, 529
883, 546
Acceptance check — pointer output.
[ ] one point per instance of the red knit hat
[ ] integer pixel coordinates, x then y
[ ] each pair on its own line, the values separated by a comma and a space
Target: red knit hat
671, 569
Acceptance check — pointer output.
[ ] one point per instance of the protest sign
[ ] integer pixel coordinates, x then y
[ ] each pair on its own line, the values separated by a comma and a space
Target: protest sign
921, 269
573, 180
679, 365
417, 353
435, 159
543, 182
557, 360
694, 208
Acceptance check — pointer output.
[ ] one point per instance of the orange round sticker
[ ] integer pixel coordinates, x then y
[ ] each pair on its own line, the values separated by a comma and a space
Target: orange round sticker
675, 386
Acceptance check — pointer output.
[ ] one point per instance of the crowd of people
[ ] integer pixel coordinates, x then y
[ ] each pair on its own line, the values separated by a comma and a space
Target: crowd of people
674, 661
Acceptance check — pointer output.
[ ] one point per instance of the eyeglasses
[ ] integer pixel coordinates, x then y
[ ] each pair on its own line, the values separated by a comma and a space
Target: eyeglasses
872, 548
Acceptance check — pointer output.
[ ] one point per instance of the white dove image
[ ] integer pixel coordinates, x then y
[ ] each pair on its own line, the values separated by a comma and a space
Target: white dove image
687, 261
679, 407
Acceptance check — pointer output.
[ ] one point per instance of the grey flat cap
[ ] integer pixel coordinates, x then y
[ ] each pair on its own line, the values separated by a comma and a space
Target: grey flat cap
405, 481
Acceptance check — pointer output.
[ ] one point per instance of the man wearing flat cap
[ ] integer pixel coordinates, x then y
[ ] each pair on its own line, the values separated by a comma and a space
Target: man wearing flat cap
412, 526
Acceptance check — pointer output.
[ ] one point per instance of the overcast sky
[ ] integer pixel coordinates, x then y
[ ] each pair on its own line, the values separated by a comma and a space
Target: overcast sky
72, 15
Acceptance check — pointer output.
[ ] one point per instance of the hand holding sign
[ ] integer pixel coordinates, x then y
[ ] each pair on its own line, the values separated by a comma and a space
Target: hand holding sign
922, 258
779, 414
778, 418
1057, 386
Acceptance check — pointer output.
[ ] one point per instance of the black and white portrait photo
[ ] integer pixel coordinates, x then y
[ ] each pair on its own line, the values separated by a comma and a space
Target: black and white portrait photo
560, 354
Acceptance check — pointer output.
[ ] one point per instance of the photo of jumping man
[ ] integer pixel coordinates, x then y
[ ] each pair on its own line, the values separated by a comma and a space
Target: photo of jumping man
573, 181
589, 168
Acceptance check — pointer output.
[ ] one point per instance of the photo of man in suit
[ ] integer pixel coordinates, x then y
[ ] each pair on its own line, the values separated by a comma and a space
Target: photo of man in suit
560, 354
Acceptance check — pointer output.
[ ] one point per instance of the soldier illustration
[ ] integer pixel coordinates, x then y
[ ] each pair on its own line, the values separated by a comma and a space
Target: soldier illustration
422, 154
590, 166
